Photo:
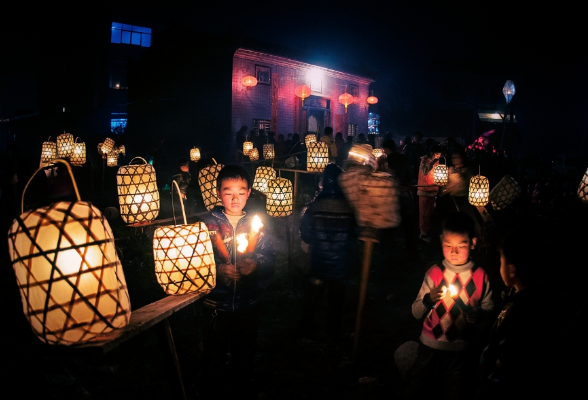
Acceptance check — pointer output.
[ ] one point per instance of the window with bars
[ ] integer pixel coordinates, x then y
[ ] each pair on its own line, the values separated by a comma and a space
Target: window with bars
352, 130
264, 124
130, 34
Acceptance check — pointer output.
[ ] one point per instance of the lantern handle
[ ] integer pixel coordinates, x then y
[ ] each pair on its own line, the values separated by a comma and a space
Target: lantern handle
181, 201
140, 158
57, 160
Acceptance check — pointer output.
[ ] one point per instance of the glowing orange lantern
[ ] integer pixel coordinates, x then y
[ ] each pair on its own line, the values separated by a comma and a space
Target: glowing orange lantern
303, 92
195, 154
65, 145
48, 151
310, 138
247, 147
254, 154
249, 81
372, 100
346, 99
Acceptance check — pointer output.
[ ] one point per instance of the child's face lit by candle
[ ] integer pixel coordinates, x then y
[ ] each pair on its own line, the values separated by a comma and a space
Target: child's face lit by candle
456, 247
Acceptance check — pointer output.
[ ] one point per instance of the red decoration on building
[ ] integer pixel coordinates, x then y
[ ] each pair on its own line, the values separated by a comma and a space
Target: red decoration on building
346, 99
303, 92
249, 81
372, 100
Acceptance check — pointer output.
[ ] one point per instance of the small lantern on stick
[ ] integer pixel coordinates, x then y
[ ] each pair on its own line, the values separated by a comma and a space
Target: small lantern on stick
479, 191
317, 156
583, 188
78, 156
106, 147
48, 151
247, 147
195, 154
70, 279
310, 138
207, 181
504, 193
254, 154
112, 159
65, 145
262, 176
279, 197
138, 195
268, 151
441, 174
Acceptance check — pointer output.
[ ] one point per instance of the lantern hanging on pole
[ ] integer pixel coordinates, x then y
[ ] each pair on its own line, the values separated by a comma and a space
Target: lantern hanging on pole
346, 99
195, 154
303, 92
509, 91
183, 256
479, 191
65, 144
78, 156
504, 193
112, 159
106, 147
262, 176
254, 154
310, 138
207, 181
583, 188
249, 81
48, 151
441, 174
69, 275
138, 195
268, 151
247, 147
317, 156
372, 99
279, 197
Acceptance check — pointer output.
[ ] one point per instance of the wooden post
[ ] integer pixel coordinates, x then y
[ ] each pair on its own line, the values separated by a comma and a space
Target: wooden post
365, 273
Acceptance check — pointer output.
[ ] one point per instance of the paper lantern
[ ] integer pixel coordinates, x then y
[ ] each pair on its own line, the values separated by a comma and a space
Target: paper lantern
195, 154
70, 279
583, 188
106, 146
303, 92
279, 197
479, 190
138, 195
346, 99
268, 151
247, 147
441, 174
372, 100
249, 81
378, 152
112, 159
78, 156
310, 138
504, 193
317, 157
262, 176
65, 144
254, 154
207, 181
48, 151
362, 154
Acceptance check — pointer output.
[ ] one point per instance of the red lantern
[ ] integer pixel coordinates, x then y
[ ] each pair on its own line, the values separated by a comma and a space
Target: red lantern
303, 92
249, 81
346, 99
372, 100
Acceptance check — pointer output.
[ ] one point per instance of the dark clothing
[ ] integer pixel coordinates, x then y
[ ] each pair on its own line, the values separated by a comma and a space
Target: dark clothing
183, 180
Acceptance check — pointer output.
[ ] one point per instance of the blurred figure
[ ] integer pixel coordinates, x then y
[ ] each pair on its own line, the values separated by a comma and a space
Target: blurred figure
427, 191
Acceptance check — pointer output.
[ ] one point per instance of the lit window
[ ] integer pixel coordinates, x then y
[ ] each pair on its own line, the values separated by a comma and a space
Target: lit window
264, 124
118, 125
130, 34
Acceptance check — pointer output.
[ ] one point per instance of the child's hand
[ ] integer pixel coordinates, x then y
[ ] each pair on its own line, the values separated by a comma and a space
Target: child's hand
246, 266
230, 271
437, 293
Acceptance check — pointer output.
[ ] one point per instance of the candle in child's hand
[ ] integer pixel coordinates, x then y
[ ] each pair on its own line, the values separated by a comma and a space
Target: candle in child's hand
256, 224
452, 291
242, 243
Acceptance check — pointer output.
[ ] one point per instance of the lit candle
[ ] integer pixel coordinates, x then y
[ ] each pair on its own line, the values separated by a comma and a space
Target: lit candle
256, 224
242, 243
452, 291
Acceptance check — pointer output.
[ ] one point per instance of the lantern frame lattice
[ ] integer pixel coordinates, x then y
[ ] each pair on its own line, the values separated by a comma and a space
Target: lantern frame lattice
48, 151
106, 146
207, 182
138, 195
479, 191
247, 147
195, 154
441, 174
504, 193
317, 157
78, 156
583, 188
262, 176
268, 151
112, 159
183, 256
65, 143
254, 154
378, 153
279, 197
69, 275
310, 138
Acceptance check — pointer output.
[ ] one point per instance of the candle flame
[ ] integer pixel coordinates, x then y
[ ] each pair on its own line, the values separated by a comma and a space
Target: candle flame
256, 224
452, 291
242, 243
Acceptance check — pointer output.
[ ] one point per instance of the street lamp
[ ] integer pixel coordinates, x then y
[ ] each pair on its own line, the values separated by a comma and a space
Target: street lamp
509, 92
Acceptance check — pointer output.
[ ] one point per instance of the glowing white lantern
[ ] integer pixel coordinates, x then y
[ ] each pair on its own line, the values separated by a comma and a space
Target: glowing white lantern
317, 156
112, 159
106, 147
479, 191
138, 195
268, 151
262, 176
441, 174
78, 156
247, 147
207, 181
48, 151
65, 144
279, 197
195, 154
254, 154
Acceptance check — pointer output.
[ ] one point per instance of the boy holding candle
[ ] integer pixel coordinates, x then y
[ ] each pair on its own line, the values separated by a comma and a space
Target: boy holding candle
244, 261
454, 297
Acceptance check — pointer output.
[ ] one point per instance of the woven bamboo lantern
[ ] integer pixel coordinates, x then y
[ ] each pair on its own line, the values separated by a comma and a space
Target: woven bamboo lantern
583, 188
122, 150
268, 151
48, 151
70, 279
207, 181
479, 190
78, 156
254, 154
183, 255
106, 146
378, 152
65, 144
138, 195
112, 159
310, 138
195, 154
441, 174
279, 197
504, 193
262, 176
247, 147
317, 157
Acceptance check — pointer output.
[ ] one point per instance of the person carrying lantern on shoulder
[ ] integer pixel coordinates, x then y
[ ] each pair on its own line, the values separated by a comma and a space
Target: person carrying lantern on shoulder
245, 263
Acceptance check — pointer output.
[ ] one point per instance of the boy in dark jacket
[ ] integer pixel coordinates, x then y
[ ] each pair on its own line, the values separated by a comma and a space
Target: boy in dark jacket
231, 310
328, 226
